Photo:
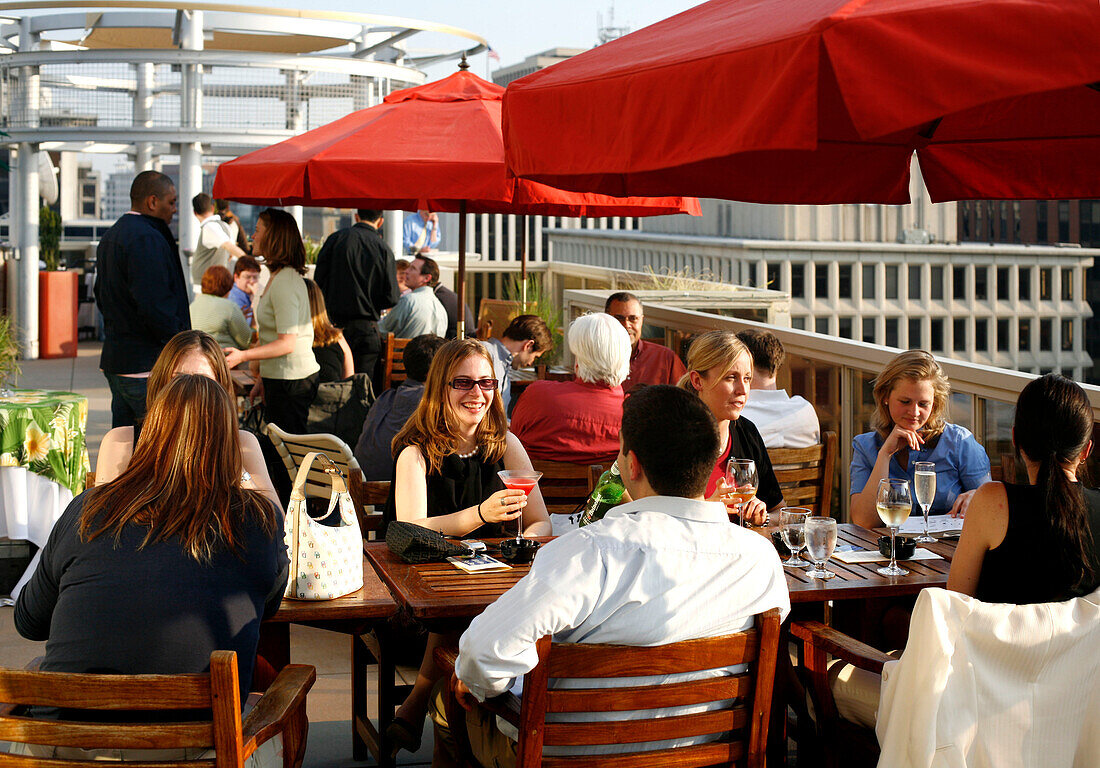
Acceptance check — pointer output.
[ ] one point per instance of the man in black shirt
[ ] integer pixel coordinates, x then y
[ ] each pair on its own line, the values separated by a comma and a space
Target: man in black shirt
141, 292
356, 274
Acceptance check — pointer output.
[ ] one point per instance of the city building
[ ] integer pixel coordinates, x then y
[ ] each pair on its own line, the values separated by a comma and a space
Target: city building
188, 84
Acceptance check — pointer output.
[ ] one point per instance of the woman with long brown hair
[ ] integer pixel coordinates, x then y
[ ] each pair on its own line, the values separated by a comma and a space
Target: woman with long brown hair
445, 479
186, 352
170, 561
283, 359
330, 348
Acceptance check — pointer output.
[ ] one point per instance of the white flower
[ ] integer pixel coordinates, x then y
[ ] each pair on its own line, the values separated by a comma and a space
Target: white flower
36, 444
8, 460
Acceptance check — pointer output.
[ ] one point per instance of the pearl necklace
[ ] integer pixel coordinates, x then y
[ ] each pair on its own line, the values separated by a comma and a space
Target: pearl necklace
469, 455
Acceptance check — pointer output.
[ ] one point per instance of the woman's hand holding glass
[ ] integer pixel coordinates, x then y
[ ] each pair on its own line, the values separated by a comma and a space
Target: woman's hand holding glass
503, 506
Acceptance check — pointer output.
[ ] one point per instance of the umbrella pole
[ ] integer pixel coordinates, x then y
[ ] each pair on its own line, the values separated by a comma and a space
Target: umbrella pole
523, 258
461, 281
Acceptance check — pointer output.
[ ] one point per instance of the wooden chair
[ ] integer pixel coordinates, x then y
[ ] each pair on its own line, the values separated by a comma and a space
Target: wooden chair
841, 742
281, 710
393, 361
565, 485
741, 730
293, 448
806, 474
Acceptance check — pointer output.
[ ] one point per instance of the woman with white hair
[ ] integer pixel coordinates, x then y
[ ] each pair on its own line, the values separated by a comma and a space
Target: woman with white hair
579, 421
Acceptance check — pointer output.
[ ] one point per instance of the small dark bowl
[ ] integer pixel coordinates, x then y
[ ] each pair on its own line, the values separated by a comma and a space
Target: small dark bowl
906, 546
518, 551
780, 547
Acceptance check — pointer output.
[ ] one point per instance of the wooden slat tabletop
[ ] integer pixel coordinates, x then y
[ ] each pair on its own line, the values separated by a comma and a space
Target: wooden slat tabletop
441, 591
860, 580
373, 601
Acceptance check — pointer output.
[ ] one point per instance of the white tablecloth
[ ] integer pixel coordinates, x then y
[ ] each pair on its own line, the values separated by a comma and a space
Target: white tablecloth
29, 506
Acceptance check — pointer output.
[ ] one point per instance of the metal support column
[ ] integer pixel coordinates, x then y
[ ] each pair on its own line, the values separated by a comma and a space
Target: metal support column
145, 81
392, 231
190, 153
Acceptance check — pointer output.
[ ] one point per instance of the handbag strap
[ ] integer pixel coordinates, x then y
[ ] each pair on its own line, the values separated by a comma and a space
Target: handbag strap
330, 468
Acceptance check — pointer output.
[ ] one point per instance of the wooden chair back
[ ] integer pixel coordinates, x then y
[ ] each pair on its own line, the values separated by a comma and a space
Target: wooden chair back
741, 730
89, 480
805, 475
393, 361
216, 692
293, 449
565, 485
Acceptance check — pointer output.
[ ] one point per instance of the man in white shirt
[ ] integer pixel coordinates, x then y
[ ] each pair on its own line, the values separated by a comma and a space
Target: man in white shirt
663, 568
783, 421
418, 311
216, 241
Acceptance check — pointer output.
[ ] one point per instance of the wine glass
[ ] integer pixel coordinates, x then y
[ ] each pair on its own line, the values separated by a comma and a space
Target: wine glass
793, 532
893, 505
519, 480
925, 488
742, 479
820, 542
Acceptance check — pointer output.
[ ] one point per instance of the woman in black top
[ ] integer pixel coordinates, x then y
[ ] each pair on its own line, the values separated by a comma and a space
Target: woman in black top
720, 373
445, 478
1036, 543
329, 346
167, 563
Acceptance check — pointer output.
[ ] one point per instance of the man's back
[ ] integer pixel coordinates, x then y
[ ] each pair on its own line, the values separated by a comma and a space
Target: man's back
783, 421
356, 274
141, 292
385, 419
418, 312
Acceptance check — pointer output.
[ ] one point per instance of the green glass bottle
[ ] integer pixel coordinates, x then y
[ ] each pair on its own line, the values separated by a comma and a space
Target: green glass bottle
608, 493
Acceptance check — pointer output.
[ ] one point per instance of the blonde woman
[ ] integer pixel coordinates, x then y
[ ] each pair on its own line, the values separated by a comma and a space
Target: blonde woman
445, 479
329, 346
720, 373
911, 425
188, 352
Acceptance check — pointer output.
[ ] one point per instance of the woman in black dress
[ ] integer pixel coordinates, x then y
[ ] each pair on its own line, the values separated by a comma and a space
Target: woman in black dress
329, 346
445, 478
1052, 524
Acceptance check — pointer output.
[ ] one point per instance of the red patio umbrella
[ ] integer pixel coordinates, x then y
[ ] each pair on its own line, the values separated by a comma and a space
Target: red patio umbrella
824, 101
437, 146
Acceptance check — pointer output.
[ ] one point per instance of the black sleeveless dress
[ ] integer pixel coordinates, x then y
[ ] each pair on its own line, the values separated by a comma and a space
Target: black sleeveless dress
1026, 567
459, 484
331, 359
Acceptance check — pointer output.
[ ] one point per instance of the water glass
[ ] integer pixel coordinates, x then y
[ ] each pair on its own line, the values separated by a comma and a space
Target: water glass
792, 521
893, 504
820, 542
924, 485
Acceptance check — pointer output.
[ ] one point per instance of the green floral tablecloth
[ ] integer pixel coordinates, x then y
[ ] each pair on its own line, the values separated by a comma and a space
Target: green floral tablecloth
44, 432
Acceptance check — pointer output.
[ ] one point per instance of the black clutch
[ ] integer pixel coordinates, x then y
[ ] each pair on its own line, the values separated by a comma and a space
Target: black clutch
416, 544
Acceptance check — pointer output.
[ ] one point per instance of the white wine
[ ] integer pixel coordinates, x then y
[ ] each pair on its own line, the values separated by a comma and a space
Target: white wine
926, 488
893, 513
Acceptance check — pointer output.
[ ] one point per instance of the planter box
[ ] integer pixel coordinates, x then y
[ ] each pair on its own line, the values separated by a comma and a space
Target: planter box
57, 310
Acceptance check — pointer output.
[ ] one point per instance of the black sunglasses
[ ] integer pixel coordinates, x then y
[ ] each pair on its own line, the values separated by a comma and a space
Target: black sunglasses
464, 384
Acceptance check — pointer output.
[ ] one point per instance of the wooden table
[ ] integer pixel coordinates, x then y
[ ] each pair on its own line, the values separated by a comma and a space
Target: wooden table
355, 614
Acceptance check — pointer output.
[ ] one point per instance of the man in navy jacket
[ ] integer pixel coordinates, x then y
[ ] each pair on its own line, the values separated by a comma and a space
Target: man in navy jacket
141, 292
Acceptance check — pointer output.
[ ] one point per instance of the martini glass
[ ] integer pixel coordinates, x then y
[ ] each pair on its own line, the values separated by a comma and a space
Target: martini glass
519, 480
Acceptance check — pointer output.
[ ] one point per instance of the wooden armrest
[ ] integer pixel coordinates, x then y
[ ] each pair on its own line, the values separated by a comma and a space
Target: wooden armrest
505, 705
278, 704
840, 646
445, 658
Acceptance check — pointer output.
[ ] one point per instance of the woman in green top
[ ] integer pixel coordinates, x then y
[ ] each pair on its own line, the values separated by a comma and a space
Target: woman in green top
283, 358
217, 315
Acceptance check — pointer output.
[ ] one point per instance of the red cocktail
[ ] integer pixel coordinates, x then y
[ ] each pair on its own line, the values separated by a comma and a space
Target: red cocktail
519, 480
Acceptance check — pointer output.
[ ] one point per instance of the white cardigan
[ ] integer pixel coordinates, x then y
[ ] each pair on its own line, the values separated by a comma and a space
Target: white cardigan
990, 685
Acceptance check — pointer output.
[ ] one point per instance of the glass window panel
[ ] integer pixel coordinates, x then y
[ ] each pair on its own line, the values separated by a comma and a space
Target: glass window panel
798, 323
844, 281
1003, 332
798, 281
1002, 283
981, 283
958, 282
891, 332
869, 330
1067, 335
1046, 335
914, 281
868, 271
821, 325
958, 331
844, 329
935, 343
997, 439
1025, 335
773, 276
1024, 276
937, 283
960, 410
1067, 284
821, 281
1046, 280
914, 333
891, 281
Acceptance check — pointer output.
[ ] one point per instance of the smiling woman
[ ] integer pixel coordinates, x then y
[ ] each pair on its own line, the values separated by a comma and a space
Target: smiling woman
911, 395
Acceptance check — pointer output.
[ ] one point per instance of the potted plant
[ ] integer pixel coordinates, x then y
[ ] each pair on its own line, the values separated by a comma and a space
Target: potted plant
58, 297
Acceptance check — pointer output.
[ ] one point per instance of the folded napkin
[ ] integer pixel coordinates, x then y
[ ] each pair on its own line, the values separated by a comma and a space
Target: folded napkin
866, 556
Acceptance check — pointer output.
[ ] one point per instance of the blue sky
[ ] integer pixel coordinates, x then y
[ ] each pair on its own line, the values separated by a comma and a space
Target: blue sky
515, 28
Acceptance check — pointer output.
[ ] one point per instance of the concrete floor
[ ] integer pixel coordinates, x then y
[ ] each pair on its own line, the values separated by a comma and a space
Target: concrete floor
329, 702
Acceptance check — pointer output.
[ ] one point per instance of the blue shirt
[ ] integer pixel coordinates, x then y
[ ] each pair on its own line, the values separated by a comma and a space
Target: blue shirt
502, 366
241, 299
413, 228
961, 464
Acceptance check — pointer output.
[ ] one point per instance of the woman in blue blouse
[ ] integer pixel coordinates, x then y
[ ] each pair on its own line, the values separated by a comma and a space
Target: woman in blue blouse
911, 397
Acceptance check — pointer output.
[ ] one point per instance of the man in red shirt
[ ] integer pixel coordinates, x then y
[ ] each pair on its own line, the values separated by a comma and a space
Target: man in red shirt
579, 421
649, 363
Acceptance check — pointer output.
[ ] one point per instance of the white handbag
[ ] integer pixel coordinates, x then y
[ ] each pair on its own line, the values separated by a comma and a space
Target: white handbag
326, 562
